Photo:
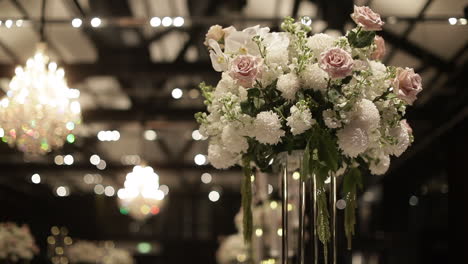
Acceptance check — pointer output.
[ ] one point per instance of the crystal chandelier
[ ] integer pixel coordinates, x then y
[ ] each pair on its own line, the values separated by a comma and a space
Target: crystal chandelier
39, 111
141, 197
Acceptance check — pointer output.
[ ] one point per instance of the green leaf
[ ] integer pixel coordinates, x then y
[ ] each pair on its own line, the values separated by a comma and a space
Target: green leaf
328, 151
253, 92
360, 39
352, 181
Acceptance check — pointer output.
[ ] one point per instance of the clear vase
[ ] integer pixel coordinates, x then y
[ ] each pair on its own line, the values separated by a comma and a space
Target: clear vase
299, 212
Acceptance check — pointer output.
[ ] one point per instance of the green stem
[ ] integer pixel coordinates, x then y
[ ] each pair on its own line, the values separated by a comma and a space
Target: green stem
247, 206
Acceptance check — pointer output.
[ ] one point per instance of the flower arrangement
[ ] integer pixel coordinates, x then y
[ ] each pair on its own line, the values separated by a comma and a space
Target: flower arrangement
84, 252
330, 97
16, 243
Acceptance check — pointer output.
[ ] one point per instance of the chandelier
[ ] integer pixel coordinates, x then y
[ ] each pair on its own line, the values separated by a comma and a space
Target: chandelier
39, 111
141, 197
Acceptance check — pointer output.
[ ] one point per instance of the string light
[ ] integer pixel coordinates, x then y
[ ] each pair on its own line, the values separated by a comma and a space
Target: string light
96, 22
76, 22
206, 178
196, 135
177, 93
200, 159
214, 196
178, 21
39, 111
108, 135
452, 21
8, 23
166, 21
155, 22
150, 135
36, 178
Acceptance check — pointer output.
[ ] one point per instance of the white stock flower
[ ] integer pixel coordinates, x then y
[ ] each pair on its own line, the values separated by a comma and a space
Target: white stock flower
300, 120
277, 48
314, 77
367, 114
233, 140
380, 164
226, 84
320, 43
270, 73
220, 157
267, 128
402, 137
352, 139
288, 85
379, 80
330, 119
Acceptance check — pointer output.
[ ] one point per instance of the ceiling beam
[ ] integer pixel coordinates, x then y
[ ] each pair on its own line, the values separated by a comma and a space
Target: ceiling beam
130, 70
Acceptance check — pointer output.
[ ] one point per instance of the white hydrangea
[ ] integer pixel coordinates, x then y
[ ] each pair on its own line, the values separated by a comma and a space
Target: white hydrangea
353, 139
330, 119
367, 114
288, 85
220, 157
380, 164
402, 137
314, 77
320, 43
233, 141
267, 128
300, 120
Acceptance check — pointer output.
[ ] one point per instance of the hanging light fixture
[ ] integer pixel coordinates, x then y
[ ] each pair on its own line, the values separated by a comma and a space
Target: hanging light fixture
141, 197
39, 111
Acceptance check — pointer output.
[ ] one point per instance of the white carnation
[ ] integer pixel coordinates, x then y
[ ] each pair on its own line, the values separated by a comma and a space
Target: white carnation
330, 119
402, 137
300, 120
380, 164
314, 77
233, 140
352, 139
220, 157
267, 128
320, 43
367, 114
288, 85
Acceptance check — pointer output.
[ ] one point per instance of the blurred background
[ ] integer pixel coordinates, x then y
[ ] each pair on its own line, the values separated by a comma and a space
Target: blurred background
137, 68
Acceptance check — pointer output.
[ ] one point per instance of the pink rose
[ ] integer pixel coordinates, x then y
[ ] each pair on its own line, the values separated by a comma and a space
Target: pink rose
367, 19
407, 85
245, 69
379, 51
336, 62
215, 32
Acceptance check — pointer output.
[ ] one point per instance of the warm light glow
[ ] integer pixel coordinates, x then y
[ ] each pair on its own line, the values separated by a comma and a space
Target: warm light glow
279, 232
98, 189
166, 21
142, 192
177, 93
296, 175
38, 111
36, 178
8, 23
62, 191
101, 165
68, 159
258, 232
109, 191
196, 135
214, 196
58, 160
206, 178
452, 21
155, 22
178, 21
96, 22
306, 21
108, 135
270, 189
76, 22
150, 135
164, 189
200, 159
273, 204
94, 159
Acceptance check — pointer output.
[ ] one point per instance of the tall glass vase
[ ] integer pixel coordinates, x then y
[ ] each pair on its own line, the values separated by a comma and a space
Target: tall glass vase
300, 238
